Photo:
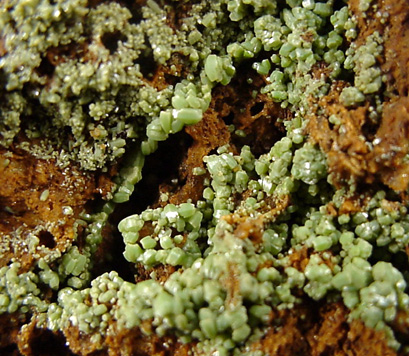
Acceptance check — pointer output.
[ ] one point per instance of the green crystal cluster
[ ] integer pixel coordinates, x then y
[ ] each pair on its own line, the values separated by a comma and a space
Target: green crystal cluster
92, 100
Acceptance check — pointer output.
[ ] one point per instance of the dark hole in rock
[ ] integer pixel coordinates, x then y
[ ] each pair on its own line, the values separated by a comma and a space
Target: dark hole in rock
229, 118
2, 78
136, 16
95, 204
147, 61
346, 76
10, 350
256, 108
109, 255
135, 7
46, 239
369, 130
161, 167
331, 125
338, 5
379, 254
46, 68
46, 343
111, 39
400, 261
200, 27
171, 79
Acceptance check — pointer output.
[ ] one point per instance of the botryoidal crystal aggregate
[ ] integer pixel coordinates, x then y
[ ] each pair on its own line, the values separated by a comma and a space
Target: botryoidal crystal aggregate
75, 84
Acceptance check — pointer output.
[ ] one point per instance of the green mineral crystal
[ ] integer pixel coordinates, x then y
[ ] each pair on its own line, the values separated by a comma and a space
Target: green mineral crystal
77, 86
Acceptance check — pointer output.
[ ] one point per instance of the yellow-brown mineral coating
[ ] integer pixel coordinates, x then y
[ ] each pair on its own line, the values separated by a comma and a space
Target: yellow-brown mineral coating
357, 150
36, 192
321, 332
